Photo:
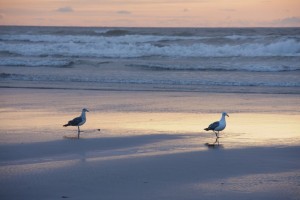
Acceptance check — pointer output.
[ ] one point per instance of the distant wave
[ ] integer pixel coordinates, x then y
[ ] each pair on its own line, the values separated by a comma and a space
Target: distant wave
122, 36
109, 32
117, 32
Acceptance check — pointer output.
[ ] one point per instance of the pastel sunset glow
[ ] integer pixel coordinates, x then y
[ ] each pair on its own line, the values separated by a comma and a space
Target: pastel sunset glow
151, 13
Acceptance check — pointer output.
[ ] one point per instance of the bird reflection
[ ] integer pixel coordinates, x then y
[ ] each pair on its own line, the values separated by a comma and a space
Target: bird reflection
215, 144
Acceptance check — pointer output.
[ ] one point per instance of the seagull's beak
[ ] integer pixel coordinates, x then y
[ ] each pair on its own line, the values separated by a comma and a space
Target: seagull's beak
227, 115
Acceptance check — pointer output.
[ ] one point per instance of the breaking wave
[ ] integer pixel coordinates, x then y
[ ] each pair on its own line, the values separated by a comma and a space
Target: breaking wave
134, 46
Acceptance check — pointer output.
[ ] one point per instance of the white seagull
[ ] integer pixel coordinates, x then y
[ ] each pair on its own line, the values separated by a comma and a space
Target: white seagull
78, 121
218, 126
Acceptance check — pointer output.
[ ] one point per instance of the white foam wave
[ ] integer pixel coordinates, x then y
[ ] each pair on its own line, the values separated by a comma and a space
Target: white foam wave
243, 37
130, 46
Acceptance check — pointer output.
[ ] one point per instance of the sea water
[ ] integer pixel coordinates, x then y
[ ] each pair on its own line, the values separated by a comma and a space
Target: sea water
263, 60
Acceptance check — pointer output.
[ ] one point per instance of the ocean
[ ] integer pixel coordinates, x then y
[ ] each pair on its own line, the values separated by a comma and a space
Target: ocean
250, 60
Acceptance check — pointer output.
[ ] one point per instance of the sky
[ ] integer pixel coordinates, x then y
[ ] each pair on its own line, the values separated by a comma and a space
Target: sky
151, 13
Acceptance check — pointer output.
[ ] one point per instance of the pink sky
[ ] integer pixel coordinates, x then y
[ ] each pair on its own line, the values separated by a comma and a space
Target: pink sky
152, 13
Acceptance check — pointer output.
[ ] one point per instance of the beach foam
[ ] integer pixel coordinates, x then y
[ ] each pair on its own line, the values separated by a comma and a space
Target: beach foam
140, 46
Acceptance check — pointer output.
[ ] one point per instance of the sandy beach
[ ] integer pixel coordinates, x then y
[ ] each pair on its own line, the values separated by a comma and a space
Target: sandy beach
149, 147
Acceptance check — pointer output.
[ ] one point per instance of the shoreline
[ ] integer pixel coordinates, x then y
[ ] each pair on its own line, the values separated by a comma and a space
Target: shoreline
158, 88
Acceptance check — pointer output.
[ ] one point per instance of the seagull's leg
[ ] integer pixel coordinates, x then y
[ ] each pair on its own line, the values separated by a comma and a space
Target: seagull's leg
216, 133
78, 132
217, 141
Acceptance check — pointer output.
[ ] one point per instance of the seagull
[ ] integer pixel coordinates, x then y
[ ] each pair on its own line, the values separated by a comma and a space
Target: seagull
218, 126
78, 121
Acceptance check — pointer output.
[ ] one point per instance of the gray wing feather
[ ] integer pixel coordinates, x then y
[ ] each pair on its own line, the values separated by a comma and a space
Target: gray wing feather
213, 126
75, 121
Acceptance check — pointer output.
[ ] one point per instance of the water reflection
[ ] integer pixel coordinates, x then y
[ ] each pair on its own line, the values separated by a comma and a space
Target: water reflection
243, 129
215, 144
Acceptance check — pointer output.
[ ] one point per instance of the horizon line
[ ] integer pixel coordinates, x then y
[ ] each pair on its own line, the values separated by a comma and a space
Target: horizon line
71, 26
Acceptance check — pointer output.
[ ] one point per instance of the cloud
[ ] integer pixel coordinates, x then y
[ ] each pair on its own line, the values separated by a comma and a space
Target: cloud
124, 12
2, 16
185, 10
65, 9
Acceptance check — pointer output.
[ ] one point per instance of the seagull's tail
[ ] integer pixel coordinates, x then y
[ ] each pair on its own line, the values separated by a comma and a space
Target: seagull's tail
65, 125
207, 129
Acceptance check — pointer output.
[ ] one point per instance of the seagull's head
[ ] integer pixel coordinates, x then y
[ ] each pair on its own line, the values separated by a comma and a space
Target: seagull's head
85, 110
225, 114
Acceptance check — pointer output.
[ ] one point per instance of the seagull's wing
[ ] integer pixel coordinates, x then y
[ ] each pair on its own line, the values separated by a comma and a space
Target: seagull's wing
75, 121
213, 126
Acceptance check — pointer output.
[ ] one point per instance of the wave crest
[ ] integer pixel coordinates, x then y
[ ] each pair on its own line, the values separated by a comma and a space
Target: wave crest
133, 46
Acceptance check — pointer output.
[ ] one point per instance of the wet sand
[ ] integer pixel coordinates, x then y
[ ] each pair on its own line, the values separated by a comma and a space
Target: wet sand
151, 146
